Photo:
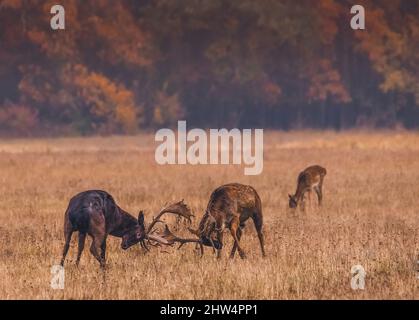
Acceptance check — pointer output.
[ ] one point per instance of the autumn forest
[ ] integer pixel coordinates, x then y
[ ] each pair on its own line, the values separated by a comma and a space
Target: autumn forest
130, 65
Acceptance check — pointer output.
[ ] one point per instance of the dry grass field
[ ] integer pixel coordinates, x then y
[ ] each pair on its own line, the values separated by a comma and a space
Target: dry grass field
370, 217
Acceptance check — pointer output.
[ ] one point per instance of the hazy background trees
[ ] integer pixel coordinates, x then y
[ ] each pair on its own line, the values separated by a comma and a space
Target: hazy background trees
126, 65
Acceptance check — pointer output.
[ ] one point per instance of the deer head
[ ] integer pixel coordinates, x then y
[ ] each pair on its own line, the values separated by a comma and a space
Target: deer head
292, 201
206, 231
135, 234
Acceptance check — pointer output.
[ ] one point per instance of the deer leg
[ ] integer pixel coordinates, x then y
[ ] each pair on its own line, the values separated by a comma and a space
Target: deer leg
233, 229
303, 202
318, 190
201, 249
68, 232
93, 250
310, 203
82, 239
96, 250
220, 241
239, 235
258, 221
103, 248
98, 233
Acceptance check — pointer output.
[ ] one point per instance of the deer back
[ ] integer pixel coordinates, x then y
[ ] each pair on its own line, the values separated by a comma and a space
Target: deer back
86, 203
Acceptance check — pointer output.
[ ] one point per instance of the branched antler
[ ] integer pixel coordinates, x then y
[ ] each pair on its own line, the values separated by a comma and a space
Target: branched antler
167, 237
178, 208
172, 239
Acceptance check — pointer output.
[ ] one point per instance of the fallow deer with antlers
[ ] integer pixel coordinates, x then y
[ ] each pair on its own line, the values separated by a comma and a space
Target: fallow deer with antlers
96, 213
229, 207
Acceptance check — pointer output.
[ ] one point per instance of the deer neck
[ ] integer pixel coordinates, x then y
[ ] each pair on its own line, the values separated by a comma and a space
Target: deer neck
123, 223
204, 224
299, 193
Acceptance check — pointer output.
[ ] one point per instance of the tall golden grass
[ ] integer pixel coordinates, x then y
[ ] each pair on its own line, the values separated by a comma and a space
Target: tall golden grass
370, 217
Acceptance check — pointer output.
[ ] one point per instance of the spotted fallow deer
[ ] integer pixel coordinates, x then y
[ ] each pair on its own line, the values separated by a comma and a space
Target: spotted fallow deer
309, 179
229, 207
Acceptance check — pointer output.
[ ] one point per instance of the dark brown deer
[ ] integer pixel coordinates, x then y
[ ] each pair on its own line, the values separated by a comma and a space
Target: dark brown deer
96, 213
309, 179
230, 206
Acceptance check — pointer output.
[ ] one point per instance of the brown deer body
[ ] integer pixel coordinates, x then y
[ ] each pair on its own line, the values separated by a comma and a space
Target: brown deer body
309, 179
230, 206
96, 213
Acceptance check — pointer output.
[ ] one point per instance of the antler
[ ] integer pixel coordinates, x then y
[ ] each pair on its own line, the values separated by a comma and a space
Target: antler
172, 239
178, 208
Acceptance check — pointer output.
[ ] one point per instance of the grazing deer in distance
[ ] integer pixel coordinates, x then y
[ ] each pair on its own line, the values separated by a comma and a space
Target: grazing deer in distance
96, 213
309, 179
230, 206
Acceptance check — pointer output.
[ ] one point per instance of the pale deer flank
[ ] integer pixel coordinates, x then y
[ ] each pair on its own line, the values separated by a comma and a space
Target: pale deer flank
309, 179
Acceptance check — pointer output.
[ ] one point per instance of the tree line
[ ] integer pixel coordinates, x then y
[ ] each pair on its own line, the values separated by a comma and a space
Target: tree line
123, 66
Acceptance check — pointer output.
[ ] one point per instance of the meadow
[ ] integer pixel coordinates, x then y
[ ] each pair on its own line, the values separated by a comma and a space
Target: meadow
370, 217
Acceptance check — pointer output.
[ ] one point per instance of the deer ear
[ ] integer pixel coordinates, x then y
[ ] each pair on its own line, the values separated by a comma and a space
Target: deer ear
141, 217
